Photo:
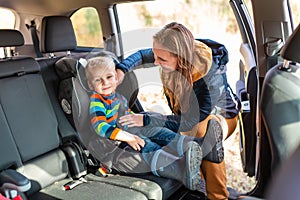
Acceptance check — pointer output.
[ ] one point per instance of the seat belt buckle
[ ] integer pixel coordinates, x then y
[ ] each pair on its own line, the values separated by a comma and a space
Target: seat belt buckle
74, 183
18, 197
103, 171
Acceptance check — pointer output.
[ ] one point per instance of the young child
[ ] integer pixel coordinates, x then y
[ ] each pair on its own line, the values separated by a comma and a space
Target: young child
166, 152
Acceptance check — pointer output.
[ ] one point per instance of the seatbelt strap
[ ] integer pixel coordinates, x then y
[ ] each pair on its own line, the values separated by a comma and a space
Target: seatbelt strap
35, 39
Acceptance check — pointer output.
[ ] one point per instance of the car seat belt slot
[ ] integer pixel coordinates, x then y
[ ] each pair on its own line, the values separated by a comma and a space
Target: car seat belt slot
74, 183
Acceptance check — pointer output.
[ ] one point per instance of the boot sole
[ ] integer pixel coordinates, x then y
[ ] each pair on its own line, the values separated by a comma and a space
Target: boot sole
214, 128
193, 162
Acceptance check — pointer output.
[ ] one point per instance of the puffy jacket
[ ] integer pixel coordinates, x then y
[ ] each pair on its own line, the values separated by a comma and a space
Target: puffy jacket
212, 93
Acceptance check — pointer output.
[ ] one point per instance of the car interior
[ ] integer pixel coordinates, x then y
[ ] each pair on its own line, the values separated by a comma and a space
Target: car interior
44, 109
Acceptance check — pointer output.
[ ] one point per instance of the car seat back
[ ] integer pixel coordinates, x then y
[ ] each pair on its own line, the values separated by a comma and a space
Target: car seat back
280, 103
8, 38
31, 143
29, 123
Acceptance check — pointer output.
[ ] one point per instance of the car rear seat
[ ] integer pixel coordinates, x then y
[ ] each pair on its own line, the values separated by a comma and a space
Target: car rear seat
281, 115
30, 138
280, 100
51, 25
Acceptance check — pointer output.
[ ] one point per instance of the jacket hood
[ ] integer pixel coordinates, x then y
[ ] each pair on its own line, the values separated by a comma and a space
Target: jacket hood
202, 60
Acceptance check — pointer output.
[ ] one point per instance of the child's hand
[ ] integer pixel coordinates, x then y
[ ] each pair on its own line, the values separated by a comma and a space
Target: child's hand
136, 143
132, 120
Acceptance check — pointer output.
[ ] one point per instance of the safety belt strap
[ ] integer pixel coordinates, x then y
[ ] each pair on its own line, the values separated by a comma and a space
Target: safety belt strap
35, 39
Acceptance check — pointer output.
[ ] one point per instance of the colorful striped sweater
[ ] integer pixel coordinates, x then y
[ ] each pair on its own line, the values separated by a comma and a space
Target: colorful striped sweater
104, 113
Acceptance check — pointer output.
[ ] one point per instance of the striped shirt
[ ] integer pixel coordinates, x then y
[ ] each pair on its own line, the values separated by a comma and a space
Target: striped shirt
104, 113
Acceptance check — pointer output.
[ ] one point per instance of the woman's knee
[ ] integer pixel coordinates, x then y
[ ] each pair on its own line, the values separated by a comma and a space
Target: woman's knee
228, 126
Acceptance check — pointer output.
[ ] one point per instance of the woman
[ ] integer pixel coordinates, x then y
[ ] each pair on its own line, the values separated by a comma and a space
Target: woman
195, 84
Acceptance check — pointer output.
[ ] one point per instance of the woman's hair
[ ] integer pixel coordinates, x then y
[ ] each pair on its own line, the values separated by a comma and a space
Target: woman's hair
179, 40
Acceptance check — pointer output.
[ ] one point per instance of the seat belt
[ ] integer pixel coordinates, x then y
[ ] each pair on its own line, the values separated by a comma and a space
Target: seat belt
272, 49
35, 39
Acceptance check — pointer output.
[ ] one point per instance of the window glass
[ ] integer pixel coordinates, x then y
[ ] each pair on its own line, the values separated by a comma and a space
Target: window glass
146, 18
295, 8
7, 21
87, 27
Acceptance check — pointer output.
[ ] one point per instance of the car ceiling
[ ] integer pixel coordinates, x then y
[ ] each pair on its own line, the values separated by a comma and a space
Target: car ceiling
55, 7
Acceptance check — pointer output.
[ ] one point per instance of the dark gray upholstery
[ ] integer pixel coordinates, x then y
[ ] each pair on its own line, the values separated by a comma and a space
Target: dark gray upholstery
281, 111
280, 100
10, 38
7, 144
57, 34
30, 141
16, 66
26, 105
286, 181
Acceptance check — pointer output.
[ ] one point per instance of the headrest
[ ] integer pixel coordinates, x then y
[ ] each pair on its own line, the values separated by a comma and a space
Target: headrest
57, 34
291, 49
11, 38
18, 66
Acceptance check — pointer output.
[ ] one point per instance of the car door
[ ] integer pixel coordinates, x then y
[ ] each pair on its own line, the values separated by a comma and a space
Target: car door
260, 52
247, 87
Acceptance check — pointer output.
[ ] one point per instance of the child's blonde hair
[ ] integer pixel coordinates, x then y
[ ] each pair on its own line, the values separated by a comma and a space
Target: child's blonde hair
104, 62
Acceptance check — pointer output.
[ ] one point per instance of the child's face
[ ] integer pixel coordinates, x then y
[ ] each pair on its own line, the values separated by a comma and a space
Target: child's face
103, 80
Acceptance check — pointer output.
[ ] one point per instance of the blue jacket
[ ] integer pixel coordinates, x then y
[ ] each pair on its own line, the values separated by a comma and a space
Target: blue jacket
213, 93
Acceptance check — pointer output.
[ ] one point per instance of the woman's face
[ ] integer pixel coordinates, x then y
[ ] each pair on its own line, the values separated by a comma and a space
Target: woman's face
164, 58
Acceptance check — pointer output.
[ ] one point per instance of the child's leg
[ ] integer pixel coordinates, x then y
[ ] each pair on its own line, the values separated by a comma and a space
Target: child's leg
123, 160
209, 134
211, 143
169, 140
214, 173
184, 169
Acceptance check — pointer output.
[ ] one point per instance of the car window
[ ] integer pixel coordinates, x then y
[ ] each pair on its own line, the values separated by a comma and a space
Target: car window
87, 27
295, 11
146, 18
7, 21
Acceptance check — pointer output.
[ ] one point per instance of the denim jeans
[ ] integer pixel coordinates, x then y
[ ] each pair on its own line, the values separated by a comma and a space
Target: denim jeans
160, 138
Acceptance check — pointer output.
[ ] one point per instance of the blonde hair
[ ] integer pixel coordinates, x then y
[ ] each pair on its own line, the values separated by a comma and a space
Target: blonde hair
177, 39
103, 62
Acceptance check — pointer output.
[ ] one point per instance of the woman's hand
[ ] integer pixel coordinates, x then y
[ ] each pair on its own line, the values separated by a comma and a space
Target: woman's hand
136, 143
132, 120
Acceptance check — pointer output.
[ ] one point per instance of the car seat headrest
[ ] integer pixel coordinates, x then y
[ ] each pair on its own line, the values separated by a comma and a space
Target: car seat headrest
291, 49
11, 38
57, 34
80, 68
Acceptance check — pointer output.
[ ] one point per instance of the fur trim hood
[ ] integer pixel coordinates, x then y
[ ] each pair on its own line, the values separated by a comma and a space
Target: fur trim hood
202, 60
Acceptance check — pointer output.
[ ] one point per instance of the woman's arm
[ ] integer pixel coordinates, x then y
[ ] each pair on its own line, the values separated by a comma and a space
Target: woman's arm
138, 58
200, 108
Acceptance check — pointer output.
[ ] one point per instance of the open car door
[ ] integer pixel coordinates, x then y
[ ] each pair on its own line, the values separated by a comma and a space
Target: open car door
260, 52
